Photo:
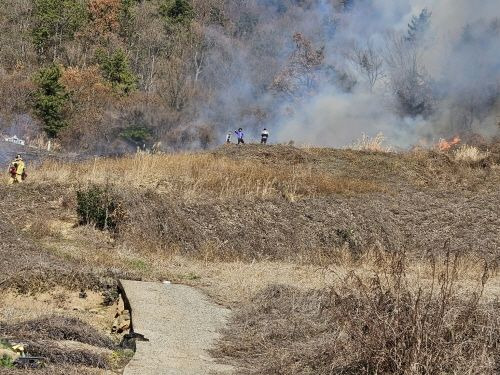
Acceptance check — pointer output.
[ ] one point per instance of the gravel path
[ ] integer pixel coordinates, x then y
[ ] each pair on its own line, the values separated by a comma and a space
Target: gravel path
180, 323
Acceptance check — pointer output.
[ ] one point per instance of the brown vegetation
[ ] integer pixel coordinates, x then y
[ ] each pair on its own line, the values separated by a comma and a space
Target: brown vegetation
206, 220
239, 202
56, 328
384, 324
137, 73
197, 175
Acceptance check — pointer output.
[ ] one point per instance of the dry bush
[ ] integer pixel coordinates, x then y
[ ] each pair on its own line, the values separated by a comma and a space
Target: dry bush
372, 144
56, 328
470, 154
53, 370
57, 354
385, 325
40, 228
193, 175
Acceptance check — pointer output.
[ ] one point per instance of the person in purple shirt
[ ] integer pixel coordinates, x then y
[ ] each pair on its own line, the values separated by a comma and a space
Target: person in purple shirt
239, 135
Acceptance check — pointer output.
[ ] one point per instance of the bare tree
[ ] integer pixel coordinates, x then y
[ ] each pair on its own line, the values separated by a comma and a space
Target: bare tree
368, 62
300, 76
408, 80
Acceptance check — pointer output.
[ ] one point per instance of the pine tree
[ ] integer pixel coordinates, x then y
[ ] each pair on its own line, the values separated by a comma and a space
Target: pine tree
418, 26
55, 21
116, 70
126, 18
177, 12
50, 100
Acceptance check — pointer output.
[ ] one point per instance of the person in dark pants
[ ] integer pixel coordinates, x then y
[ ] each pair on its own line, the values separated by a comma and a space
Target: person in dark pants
263, 137
240, 135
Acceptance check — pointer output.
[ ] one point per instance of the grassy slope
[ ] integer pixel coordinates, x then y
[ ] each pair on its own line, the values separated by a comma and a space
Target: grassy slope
308, 216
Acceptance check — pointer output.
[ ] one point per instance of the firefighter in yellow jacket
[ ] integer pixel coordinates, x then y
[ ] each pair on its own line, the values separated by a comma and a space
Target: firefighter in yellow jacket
17, 170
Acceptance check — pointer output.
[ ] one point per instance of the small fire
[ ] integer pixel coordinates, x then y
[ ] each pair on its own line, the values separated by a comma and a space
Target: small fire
445, 145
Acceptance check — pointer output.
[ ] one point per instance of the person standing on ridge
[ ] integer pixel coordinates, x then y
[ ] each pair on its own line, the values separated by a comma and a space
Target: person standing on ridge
228, 138
17, 170
263, 136
240, 135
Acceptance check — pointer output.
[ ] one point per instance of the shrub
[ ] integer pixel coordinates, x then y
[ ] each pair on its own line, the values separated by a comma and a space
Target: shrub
116, 70
6, 361
385, 324
374, 144
98, 206
136, 134
470, 154
177, 12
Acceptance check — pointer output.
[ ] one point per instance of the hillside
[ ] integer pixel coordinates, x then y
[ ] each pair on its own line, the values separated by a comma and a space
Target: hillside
329, 170
280, 201
108, 76
236, 221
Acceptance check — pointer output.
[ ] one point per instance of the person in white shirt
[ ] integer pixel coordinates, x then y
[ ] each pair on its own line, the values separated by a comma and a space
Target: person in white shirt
263, 137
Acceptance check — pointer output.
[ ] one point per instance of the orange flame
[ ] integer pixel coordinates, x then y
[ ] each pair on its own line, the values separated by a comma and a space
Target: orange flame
445, 145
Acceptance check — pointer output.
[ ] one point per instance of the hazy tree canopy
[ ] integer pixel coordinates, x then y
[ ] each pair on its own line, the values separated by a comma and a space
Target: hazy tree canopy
192, 70
56, 21
177, 11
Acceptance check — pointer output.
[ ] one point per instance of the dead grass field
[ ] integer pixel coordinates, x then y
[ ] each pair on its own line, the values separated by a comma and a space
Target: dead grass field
239, 221
193, 176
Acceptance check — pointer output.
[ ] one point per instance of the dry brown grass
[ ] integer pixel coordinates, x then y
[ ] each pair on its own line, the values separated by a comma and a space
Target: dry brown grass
383, 324
56, 328
470, 154
372, 144
189, 176
60, 353
237, 222
57, 370
61, 340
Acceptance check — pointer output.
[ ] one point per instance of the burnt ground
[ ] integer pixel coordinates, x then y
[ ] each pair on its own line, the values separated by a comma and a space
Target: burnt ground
9, 150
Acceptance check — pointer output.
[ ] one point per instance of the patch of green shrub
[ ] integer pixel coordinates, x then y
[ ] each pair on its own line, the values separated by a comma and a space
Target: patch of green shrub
98, 206
6, 361
136, 134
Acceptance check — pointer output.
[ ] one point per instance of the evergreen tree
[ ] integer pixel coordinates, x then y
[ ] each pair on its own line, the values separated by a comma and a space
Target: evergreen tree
50, 100
55, 21
418, 25
177, 12
116, 70
347, 5
127, 18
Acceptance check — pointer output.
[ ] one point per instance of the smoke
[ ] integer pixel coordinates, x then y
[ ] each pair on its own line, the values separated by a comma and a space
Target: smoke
445, 81
337, 119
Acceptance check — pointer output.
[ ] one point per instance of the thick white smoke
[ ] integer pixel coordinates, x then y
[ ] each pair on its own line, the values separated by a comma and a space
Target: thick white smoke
447, 83
460, 72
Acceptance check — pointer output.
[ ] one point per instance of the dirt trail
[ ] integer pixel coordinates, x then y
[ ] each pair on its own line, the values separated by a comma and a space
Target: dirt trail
180, 323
